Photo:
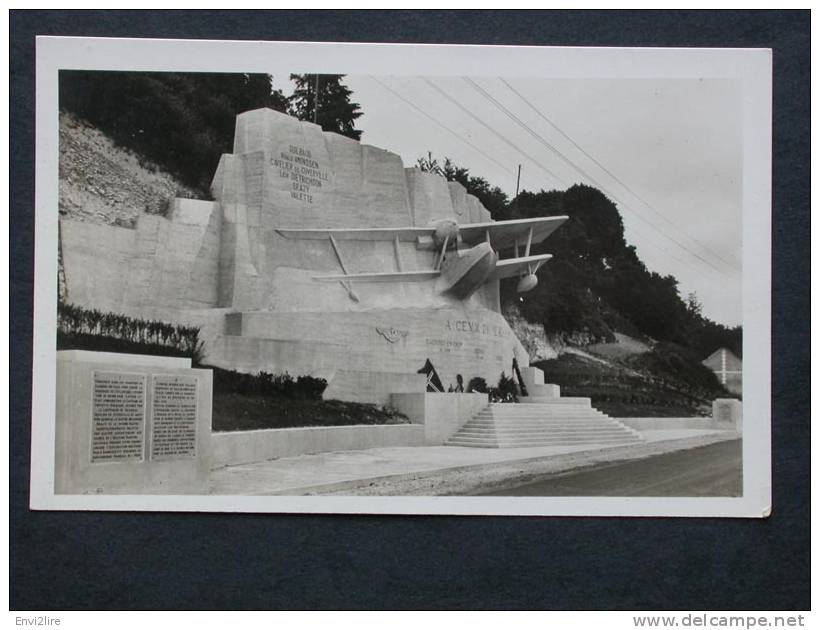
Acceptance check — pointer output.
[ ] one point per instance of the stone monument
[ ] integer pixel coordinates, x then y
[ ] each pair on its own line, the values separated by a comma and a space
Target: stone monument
727, 413
320, 255
131, 424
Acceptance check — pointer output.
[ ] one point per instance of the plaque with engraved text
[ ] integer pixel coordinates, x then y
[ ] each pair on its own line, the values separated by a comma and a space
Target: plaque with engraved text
173, 432
118, 417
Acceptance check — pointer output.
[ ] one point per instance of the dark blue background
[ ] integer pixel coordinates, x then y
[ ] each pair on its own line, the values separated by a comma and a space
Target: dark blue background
249, 561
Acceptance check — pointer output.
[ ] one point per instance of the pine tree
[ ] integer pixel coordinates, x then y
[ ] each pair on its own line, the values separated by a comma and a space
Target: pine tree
335, 112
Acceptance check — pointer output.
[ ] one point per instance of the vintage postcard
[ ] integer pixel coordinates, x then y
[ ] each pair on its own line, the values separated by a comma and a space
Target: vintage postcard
405, 279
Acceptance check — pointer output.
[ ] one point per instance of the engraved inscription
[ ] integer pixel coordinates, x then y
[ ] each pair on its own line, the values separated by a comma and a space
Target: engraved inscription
118, 417
724, 413
475, 327
298, 166
173, 428
446, 346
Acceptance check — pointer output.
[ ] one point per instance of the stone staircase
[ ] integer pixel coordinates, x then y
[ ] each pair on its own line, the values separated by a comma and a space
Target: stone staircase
542, 421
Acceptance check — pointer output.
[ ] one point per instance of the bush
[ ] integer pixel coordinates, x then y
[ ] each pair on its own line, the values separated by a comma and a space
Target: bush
77, 325
98, 343
478, 385
505, 391
265, 384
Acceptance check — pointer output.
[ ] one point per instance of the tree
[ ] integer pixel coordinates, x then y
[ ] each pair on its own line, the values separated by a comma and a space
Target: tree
693, 305
430, 164
491, 197
335, 113
183, 122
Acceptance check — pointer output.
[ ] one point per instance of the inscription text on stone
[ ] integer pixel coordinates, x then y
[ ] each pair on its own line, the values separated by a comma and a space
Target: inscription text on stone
173, 428
118, 417
304, 173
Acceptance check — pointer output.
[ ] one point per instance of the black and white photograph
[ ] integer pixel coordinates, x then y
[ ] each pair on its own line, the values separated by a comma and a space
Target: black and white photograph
348, 278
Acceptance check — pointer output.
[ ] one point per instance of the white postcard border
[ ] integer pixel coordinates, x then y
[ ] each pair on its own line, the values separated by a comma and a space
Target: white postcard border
752, 66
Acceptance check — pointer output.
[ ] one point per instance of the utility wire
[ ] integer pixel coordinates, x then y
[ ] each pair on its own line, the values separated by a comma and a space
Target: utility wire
493, 131
544, 142
613, 175
499, 164
489, 157
442, 125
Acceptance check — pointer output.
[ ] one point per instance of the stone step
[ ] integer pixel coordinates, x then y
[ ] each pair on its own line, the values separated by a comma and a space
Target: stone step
538, 400
566, 421
556, 418
458, 441
566, 426
550, 422
537, 439
543, 439
544, 402
550, 430
541, 431
557, 413
506, 409
533, 408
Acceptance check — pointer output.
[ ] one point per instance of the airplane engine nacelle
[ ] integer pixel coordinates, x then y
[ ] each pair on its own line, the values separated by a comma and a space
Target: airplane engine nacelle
445, 230
527, 283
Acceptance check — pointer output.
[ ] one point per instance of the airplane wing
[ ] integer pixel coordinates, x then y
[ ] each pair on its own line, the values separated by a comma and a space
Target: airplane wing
503, 234
358, 234
510, 267
389, 276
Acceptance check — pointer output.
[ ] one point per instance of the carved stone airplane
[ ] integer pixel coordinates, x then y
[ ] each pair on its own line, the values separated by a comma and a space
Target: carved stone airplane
467, 254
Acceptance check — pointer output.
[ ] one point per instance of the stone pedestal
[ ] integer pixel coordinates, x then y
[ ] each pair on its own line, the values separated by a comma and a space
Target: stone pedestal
727, 413
536, 388
441, 414
131, 424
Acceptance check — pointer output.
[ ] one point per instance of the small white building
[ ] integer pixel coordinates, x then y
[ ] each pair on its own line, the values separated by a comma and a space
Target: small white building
728, 367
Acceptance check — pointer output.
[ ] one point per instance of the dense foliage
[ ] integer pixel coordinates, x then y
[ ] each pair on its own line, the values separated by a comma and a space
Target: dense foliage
335, 113
265, 384
667, 381
247, 412
183, 122
596, 284
90, 329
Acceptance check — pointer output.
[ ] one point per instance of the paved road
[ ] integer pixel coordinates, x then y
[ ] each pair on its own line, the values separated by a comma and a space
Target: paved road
714, 470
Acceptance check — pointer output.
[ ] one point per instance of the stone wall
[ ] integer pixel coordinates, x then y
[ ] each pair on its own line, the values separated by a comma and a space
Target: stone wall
245, 447
470, 342
441, 414
170, 263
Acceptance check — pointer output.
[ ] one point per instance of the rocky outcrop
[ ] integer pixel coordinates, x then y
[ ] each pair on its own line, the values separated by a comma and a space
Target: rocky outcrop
532, 336
100, 182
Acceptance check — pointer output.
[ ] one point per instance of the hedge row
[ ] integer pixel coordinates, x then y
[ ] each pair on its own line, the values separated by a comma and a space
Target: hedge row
77, 322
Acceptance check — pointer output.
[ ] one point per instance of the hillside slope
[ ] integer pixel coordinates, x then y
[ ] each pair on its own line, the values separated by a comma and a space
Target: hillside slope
101, 182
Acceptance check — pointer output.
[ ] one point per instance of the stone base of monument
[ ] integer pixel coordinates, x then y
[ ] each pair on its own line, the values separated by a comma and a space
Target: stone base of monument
537, 390
442, 414
727, 413
131, 424
548, 422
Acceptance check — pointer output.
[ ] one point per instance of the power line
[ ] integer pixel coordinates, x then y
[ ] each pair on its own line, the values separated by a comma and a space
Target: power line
544, 142
583, 173
442, 125
613, 175
493, 131
502, 166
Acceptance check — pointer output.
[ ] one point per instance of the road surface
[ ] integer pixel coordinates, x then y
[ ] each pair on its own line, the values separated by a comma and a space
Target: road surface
709, 471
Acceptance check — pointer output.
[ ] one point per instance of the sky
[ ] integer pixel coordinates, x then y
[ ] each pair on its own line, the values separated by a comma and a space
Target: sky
667, 152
